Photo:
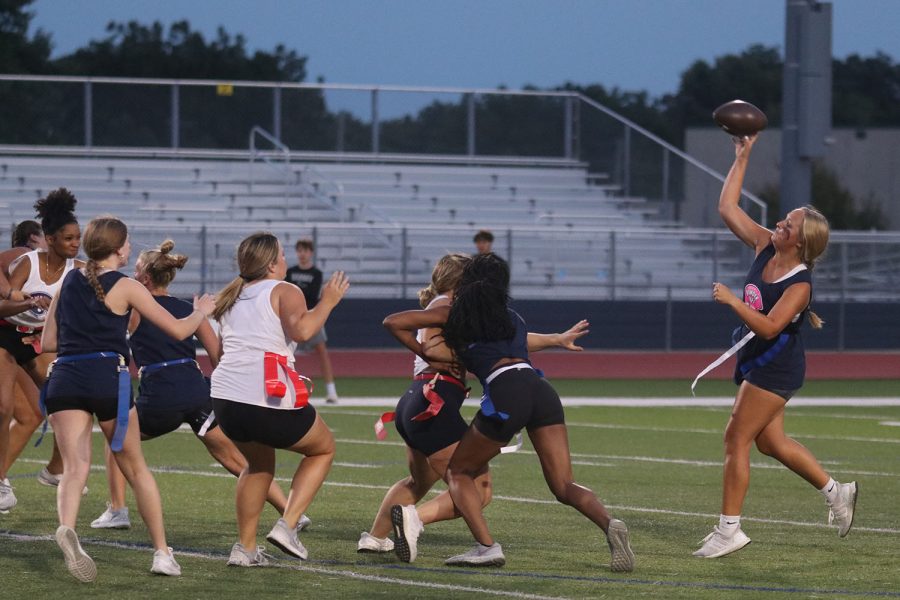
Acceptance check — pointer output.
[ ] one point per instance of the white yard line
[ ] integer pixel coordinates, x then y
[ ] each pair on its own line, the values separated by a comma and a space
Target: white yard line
226, 475
297, 566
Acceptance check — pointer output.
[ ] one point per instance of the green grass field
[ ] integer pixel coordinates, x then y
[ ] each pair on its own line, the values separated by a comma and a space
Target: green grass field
658, 469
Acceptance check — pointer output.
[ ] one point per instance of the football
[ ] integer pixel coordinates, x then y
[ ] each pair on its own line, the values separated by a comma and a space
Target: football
740, 118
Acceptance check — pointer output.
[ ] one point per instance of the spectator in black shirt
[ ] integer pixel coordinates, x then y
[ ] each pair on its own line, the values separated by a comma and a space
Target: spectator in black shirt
309, 279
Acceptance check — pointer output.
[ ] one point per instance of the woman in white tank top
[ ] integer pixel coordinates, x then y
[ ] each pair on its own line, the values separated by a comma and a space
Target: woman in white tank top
35, 277
259, 399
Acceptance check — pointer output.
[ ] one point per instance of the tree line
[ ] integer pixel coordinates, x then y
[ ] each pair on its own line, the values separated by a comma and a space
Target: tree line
866, 94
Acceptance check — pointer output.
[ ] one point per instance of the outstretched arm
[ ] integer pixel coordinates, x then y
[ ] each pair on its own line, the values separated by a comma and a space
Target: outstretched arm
746, 229
290, 305
566, 339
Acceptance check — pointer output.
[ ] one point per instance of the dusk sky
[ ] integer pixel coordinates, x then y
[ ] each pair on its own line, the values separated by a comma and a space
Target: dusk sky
630, 44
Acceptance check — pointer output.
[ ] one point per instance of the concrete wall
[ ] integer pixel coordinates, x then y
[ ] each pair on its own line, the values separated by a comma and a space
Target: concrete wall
867, 163
650, 325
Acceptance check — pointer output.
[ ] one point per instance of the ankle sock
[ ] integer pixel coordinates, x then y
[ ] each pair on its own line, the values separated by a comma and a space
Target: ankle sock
831, 491
331, 390
729, 524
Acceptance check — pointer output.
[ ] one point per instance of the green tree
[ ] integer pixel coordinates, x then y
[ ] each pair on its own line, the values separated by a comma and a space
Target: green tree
835, 201
20, 53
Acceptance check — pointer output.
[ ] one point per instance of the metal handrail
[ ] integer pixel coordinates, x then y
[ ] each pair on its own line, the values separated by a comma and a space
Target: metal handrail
254, 153
763, 207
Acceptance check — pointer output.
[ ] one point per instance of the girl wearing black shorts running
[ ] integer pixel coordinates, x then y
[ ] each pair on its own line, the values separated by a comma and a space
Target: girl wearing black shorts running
427, 417
490, 339
260, 401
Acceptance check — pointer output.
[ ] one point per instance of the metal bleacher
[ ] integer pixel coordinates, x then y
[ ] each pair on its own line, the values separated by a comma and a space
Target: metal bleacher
566, 233
385, 223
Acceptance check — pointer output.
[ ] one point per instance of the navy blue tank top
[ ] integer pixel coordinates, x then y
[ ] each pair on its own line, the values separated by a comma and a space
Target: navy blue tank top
84, 323
84, 326
779, 363
150, 344
175, 387
480, 357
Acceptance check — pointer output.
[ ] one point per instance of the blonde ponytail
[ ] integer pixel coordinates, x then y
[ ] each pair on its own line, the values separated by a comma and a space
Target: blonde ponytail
254, 255
815, 320
427, 294
227, 297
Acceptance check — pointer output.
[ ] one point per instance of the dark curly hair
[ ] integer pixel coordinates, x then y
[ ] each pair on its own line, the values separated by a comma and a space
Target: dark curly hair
479, 312
56, 210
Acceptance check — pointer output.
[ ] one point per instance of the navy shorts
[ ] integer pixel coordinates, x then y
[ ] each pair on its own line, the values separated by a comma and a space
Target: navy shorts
160, 421
528, 399
434, 434
106, 409
269, 426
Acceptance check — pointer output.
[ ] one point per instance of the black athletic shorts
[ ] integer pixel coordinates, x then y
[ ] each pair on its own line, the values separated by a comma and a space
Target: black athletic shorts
528, 399
445, 428
270, 426
106, 409
11, 341
155, 422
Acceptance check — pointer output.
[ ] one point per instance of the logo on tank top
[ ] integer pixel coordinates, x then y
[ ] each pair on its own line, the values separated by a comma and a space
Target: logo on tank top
753, 297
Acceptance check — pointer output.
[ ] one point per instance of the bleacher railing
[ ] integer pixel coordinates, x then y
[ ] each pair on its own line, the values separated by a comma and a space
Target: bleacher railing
184, 116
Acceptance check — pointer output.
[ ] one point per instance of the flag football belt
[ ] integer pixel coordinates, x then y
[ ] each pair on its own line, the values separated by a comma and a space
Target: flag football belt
435, 401
123, 400
147, 369
272, 362
277, 388
746, 366
36, 344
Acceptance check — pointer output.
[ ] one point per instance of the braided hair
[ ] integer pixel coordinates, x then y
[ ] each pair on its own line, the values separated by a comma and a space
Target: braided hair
479, 312
102, 236
56, 210
160, 264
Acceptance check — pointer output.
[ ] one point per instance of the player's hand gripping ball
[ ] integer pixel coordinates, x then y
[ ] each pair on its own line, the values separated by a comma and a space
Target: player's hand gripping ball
739, 118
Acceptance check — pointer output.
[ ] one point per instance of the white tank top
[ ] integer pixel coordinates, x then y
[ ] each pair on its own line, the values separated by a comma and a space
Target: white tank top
249, 330
419, 365
35, 286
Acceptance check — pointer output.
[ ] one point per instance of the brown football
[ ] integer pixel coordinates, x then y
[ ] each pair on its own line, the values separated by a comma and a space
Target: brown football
740, 118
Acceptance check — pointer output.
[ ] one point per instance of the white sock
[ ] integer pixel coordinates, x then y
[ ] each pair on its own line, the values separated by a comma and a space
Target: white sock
831, 491
729, 524
330, 390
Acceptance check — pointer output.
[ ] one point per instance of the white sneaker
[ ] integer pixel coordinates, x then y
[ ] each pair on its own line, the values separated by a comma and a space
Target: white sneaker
112, 519
45, 477
7, 497
841, 513
285, 538
370, 543
621, 555
717, 544
407, 528
164, 564
242, 558
304, 523
479, 556
79, 564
